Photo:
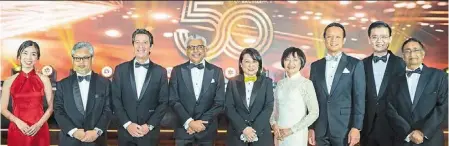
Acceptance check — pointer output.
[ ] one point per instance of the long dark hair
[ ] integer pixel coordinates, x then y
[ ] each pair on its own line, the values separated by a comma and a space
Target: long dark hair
27, 44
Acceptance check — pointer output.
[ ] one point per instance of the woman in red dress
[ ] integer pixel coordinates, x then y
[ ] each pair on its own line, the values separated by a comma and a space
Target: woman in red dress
28, 126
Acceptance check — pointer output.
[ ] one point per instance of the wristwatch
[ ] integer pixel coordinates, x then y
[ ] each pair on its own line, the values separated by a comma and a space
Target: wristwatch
99, 131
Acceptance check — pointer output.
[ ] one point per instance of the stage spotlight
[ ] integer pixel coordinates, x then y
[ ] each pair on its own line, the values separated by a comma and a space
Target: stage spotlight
427, 6
113, 33
160, 16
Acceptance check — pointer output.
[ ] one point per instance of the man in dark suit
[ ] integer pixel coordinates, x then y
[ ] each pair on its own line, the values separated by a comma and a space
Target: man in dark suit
140, 94
380, 68
417, 100
339, 82
82, 102
196, 96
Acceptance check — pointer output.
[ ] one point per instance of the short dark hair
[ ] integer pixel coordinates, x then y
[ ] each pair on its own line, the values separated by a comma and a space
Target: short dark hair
294, 52
413, 40
27, 44
378, 24
255, 55
335, 24
142, 31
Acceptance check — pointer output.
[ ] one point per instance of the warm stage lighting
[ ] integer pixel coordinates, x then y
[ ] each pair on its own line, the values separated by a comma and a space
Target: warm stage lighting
20, 17
250, 40
160, 16
168, 34
442, 3
304, 17
389, 10
344, 2
113, 33
427, 6
359, 15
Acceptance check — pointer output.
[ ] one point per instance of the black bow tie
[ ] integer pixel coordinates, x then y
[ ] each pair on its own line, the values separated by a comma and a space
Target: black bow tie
146, 65
199, 66
409, 73
377, 58
81, 78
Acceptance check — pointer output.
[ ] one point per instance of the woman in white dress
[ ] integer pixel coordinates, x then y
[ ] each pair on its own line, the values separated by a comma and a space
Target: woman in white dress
295, 105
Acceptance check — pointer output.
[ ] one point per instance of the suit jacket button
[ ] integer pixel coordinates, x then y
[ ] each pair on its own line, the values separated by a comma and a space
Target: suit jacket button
377, 103
328, 101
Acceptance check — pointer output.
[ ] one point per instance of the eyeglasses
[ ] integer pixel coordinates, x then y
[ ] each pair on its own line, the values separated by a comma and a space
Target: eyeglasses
79, 59
199, 47
409, 51
383, 37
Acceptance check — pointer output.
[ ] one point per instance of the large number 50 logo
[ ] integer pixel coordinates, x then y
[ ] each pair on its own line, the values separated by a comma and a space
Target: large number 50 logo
222, 41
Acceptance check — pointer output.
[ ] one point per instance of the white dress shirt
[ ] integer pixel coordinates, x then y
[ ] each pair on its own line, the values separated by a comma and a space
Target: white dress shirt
84, 90
139, 74
412, 83
248, 89
197, 81
379, 68
331, 68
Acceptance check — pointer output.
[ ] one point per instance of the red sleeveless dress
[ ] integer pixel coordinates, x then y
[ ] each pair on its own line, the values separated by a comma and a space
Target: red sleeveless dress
27, 92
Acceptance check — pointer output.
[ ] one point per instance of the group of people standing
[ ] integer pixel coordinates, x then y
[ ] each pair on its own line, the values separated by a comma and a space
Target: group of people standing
382, 100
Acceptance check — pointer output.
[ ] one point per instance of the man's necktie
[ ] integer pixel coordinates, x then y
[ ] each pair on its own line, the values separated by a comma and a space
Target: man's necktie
331, 58
146, 65
81, 78
377, 58
250, 79
409, 73
199, 66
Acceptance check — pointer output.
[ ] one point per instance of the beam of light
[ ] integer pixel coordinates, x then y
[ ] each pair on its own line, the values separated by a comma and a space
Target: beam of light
23, 17
113, 33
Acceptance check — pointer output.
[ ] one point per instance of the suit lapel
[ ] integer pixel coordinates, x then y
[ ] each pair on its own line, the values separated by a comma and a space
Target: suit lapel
77, 94
341, 66
255, 90
187, 77
405, 92
207, 79
321, 71
422, 83
147, 81
132, 79
388, 71
240, 84
91, 93
370, 75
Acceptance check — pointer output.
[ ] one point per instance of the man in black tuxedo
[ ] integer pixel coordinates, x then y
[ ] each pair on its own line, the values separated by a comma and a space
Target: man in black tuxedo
380, 68
196, 96
417, 100
140, 94
82, 102
339, 82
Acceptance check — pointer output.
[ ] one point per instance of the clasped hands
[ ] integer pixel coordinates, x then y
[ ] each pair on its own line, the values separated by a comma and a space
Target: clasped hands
417, 137
281, 133
249, 135
85, 136
138, 130
28, 130
196, 126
